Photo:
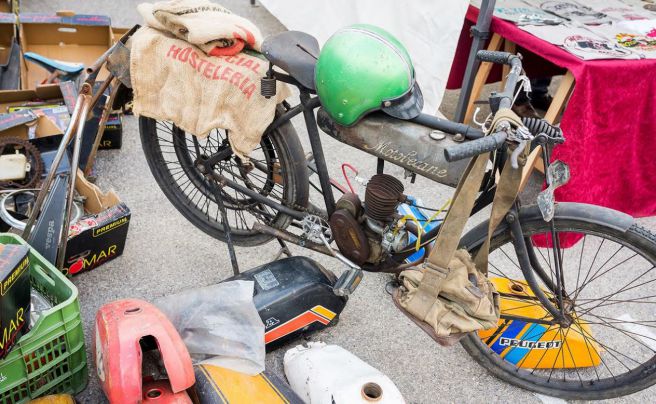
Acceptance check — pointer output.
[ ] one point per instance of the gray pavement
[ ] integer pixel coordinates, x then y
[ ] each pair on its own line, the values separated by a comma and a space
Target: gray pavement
166, 254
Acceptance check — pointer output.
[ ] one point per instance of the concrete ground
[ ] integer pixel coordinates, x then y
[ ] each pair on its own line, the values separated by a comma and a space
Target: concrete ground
166, 254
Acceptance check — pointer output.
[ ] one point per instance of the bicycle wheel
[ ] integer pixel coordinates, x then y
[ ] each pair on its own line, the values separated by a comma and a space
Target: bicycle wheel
609, 350
278, 173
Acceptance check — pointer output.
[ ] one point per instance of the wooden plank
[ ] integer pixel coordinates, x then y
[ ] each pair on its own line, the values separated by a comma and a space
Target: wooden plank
557, 106
510, 47
534, 160
481, 77
560, 98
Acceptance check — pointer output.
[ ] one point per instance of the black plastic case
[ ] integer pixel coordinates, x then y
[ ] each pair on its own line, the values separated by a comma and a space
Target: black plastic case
293, 296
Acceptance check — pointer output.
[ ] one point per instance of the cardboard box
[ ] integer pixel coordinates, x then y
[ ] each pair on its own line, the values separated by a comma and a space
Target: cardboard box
100, 237
10, 56
112, 138
26, 125
119, 32
74, 38
17, 124
14, 295
9, 6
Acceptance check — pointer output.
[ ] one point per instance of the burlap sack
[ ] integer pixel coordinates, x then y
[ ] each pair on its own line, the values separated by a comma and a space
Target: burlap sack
175, 81
202, 23
467, 301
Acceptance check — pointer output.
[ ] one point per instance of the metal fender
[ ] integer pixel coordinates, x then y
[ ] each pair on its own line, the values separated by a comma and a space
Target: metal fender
120, 326
564, 210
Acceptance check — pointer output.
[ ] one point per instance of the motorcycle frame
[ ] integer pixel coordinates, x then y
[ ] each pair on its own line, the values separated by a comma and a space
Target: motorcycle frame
309, 102
528, 261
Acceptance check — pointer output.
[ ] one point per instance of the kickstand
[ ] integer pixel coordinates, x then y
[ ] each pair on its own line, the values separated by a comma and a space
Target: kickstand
226, 228
283, 250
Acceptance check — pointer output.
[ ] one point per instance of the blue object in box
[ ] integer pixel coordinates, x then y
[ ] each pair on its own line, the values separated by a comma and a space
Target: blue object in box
422, 218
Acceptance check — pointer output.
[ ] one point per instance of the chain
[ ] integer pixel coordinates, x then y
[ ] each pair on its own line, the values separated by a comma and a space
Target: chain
31, 153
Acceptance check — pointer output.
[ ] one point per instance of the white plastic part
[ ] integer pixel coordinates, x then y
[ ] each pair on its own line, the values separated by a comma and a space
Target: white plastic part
13, 167
329, 374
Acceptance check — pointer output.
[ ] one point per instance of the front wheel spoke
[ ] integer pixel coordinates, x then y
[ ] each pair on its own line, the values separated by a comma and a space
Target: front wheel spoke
604, 346
611, 320
548, 262
588, 344
510, 259
506, 276
594, 276
610, 350
577, 292
625, 332
519, 365
573, 360
533, 304
587, 274
553, 365
622, 290
638, 300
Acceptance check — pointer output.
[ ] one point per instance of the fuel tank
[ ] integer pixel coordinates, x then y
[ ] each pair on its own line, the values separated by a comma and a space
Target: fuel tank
400, 142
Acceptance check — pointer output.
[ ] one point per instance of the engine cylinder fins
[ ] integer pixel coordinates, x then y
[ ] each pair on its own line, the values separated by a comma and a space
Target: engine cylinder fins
383, 195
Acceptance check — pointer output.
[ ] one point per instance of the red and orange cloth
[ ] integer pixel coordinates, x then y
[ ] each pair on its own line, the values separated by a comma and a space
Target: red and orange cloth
210, 26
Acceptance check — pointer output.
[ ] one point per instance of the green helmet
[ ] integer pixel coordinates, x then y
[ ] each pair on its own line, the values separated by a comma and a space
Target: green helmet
363, 68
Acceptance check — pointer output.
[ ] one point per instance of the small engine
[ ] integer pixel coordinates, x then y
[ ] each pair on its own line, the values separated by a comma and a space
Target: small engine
369, 233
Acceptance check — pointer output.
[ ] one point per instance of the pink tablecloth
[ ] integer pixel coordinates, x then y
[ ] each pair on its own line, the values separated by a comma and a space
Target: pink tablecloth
609, 123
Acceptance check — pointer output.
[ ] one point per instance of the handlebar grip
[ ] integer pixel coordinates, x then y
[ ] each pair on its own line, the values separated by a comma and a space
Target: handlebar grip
475, 147
503, 58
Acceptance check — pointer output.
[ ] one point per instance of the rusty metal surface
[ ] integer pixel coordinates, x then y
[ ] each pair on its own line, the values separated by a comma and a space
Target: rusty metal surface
291, 238
68, 135
382, 196
107, 109
118, 63
349, 236
403, 143
350, 202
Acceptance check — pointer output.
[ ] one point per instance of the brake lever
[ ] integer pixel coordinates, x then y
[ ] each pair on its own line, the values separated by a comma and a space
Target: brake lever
514, 156
522, 136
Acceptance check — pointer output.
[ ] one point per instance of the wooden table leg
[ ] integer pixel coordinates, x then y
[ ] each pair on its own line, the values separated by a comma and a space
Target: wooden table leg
481, 77
560, 98
510, 47
557, 106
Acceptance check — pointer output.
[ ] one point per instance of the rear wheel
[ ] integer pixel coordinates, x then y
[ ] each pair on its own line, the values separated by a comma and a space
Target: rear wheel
609, 279
278, 172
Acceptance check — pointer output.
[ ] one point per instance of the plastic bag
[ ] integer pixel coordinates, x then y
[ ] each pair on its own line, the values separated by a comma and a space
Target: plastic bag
39, 305
220, 325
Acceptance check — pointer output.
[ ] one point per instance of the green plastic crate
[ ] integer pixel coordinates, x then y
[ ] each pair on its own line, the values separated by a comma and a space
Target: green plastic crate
51, 358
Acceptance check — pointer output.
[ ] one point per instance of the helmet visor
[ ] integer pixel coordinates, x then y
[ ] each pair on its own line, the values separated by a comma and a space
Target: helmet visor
407, 106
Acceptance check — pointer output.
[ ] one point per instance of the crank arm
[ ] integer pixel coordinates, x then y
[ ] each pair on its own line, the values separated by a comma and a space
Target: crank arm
350, 279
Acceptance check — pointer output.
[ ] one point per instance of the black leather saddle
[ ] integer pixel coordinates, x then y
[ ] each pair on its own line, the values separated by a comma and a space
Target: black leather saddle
295, 52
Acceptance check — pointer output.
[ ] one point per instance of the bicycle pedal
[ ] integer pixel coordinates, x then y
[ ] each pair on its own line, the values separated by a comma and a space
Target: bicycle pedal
347, 282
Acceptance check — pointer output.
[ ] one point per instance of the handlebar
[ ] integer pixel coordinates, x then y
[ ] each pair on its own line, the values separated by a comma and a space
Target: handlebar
496, 140
475, 147
515, 62
502, 58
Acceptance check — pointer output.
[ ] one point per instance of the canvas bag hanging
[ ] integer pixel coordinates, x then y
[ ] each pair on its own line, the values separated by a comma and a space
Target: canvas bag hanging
450, 295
